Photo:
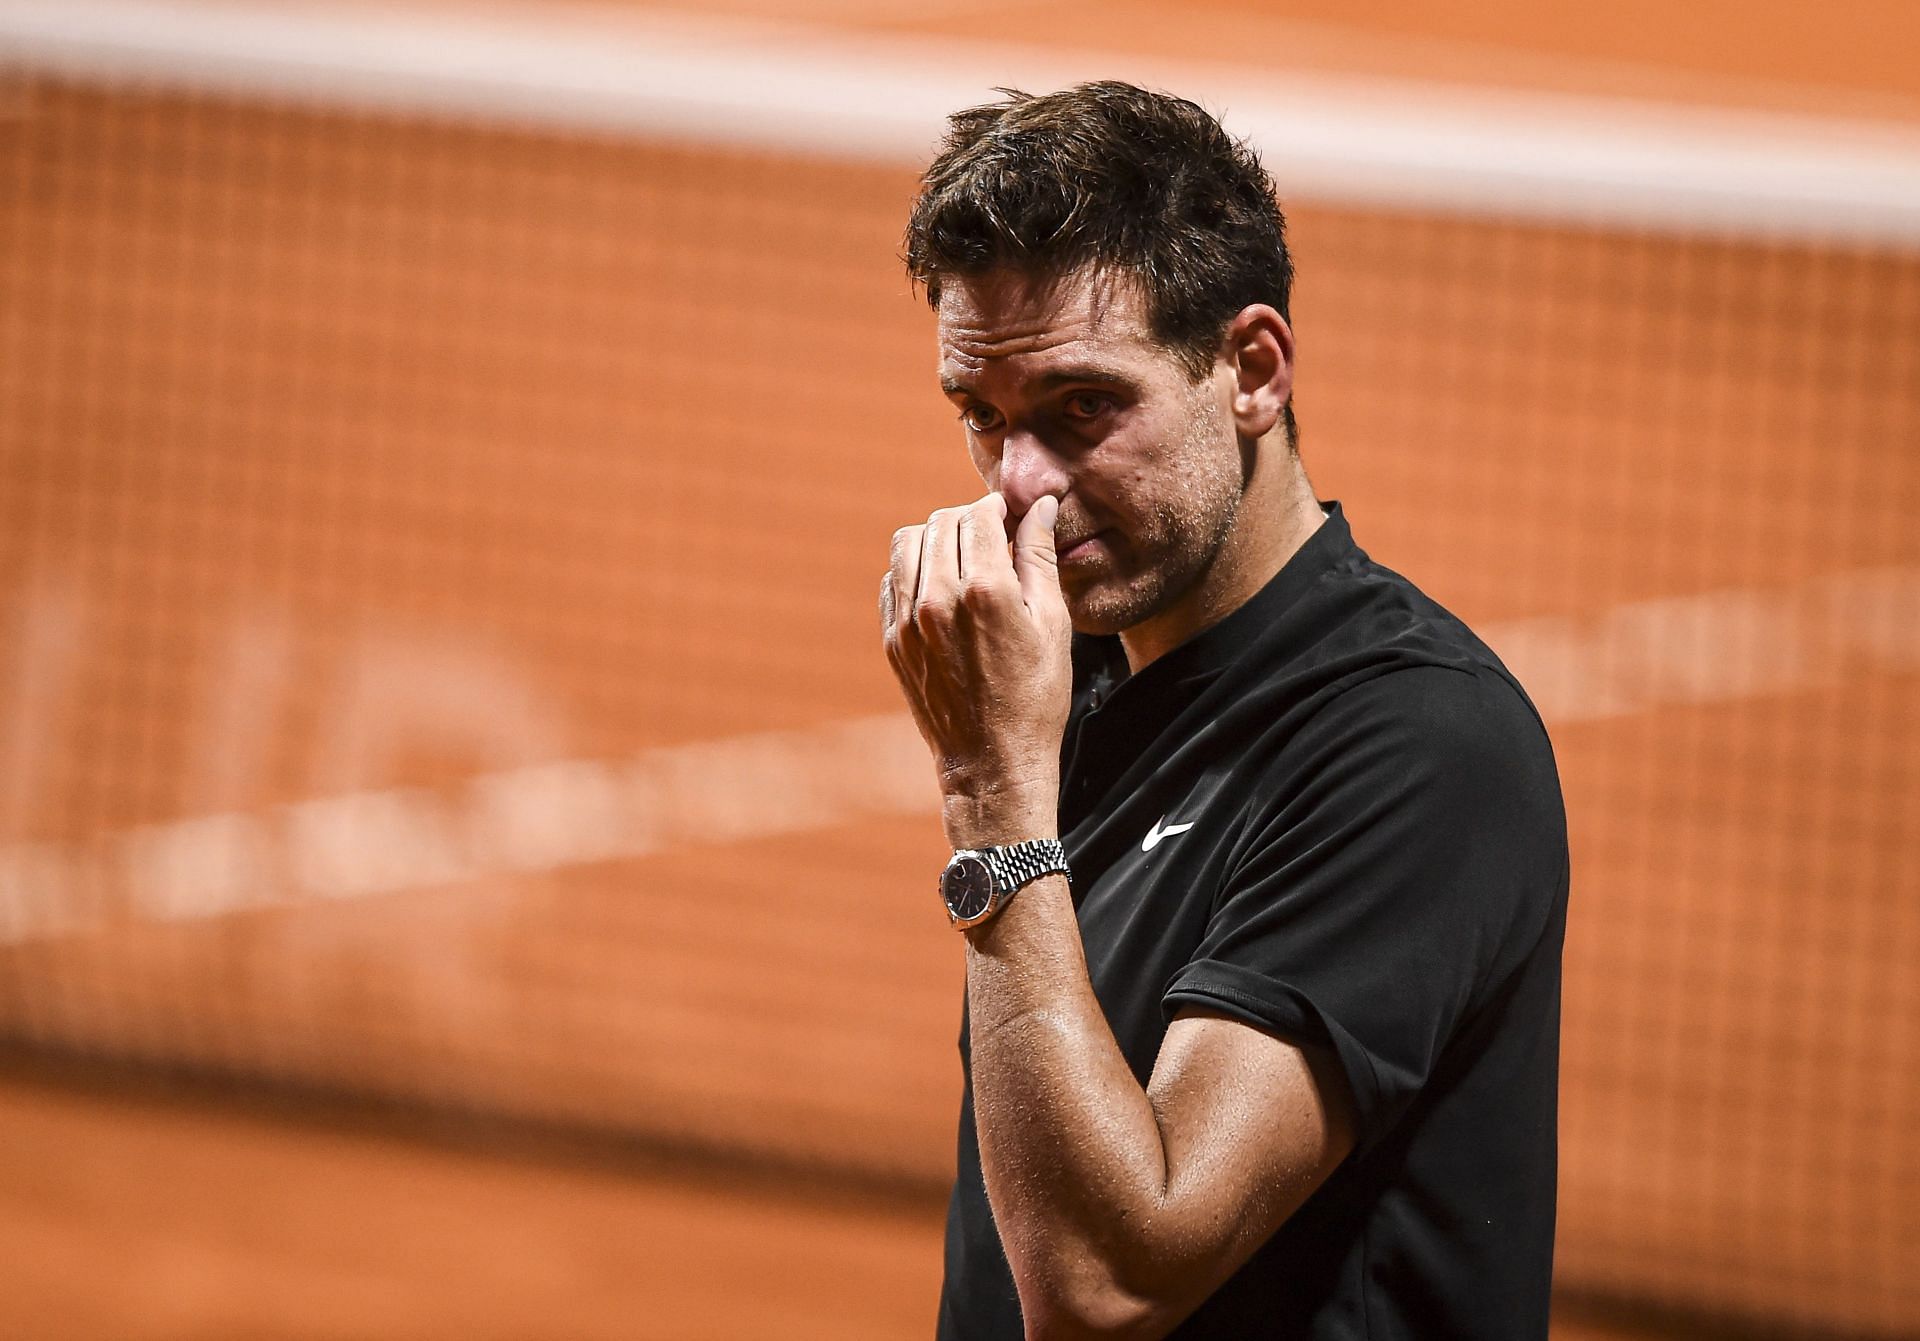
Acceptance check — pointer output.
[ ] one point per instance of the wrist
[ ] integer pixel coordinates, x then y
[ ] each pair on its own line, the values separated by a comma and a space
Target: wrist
1000, 816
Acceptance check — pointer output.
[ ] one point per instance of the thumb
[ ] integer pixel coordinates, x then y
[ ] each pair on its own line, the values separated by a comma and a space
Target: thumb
1034, 560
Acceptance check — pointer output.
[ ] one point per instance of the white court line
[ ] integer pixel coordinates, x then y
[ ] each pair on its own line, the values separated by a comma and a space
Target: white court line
1382, 142
1716, 646
509, 822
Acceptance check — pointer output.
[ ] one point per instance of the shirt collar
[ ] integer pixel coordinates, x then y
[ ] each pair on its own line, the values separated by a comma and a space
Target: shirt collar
1100, 663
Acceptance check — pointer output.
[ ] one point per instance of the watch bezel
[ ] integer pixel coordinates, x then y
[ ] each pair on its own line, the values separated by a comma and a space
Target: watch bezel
951, 876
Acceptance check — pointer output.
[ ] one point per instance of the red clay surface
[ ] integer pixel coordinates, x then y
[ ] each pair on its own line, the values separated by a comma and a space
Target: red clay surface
346, 455
142, 1220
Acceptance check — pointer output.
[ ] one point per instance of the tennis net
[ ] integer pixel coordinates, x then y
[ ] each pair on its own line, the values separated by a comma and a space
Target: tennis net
437, 550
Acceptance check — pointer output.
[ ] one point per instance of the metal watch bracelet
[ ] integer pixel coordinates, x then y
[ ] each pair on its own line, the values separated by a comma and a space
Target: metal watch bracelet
1020, 864
978, 883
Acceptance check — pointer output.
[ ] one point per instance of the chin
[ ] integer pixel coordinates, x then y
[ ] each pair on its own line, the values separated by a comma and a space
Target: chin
1096, 627
1105, 609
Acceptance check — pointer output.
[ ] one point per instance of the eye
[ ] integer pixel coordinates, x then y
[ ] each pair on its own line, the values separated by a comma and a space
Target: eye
1086, 405
980, 418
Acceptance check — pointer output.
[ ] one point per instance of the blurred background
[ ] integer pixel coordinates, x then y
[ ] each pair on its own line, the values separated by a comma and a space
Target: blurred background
463, 867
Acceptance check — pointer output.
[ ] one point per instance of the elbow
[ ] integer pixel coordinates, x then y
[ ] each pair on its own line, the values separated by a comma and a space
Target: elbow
1090, 1318
1090, 1305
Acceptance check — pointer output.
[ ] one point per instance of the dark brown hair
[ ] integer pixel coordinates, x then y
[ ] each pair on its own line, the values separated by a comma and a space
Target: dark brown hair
1114, 178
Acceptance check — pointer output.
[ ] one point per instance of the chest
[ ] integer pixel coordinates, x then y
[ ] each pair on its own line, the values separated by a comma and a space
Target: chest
1148, 874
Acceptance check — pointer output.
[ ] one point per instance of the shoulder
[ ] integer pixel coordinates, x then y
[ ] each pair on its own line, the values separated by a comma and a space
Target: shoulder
1409, 664
1452, 707
1421, 765
1449, 734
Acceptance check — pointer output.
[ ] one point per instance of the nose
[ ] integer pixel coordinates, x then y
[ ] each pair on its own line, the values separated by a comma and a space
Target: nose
1029, 471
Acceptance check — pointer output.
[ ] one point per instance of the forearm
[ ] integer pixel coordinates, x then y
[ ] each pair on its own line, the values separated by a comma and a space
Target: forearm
1073, 1156
1074, 1162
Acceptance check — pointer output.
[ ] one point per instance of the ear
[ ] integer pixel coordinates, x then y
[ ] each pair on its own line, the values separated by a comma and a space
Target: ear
1258, 349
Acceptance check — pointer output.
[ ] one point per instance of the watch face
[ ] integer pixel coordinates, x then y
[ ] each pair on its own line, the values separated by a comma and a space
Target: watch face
967, 886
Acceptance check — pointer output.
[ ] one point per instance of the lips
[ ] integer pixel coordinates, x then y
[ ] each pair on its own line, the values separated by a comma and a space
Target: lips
1084, 547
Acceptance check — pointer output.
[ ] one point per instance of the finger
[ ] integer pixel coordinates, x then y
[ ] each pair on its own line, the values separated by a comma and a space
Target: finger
1034, 561
983, 542
905, 571
940, 559
886, 602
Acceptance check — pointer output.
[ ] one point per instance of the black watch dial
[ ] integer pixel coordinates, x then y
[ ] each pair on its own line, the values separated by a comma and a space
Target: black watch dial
967, 886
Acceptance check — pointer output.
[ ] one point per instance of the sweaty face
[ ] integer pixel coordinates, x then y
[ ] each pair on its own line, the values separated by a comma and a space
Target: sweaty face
1062, 390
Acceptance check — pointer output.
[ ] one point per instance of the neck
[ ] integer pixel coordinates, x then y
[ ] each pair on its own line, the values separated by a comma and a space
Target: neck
1277, 514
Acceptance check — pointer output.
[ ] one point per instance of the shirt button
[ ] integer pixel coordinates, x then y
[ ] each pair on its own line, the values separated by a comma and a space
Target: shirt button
1093, 699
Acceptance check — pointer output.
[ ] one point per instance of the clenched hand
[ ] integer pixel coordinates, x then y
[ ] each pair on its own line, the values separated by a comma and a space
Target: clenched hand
979, 639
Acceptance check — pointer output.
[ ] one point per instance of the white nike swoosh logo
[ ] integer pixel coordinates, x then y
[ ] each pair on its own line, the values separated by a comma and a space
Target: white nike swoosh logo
1161, 829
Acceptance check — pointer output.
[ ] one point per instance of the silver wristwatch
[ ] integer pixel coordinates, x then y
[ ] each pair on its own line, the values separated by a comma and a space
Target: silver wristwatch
978, 882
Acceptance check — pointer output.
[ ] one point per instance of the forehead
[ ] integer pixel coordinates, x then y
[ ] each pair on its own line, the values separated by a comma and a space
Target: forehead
1008, 323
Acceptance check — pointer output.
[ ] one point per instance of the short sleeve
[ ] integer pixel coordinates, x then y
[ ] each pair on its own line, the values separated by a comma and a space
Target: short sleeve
1404, 857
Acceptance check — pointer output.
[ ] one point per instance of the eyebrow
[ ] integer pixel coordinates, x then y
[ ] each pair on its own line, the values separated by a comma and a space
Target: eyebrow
1088, 372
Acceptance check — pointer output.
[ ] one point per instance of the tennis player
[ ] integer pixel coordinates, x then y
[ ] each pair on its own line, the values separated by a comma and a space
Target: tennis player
1260, 860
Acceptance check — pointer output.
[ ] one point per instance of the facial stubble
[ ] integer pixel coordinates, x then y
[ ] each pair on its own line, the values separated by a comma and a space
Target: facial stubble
1198, 492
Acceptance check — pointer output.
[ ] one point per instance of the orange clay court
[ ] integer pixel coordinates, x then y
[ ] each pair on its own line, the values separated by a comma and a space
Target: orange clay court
430, 553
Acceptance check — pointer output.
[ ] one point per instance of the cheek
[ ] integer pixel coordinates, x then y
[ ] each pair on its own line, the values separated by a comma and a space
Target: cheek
1141, 471
985, 464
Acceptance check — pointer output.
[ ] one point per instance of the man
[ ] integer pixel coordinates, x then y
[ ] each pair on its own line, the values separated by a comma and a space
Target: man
1265, 1044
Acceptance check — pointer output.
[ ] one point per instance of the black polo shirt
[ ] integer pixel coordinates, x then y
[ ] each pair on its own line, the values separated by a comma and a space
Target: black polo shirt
1333, 815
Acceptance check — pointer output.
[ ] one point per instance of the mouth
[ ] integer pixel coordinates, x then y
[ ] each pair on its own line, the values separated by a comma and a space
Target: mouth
1081, 550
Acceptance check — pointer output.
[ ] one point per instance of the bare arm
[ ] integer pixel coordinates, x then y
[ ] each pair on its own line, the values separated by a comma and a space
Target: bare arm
1120, 1208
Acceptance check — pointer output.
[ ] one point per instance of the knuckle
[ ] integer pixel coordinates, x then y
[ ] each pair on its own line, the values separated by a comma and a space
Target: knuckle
933, 616
977, 593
